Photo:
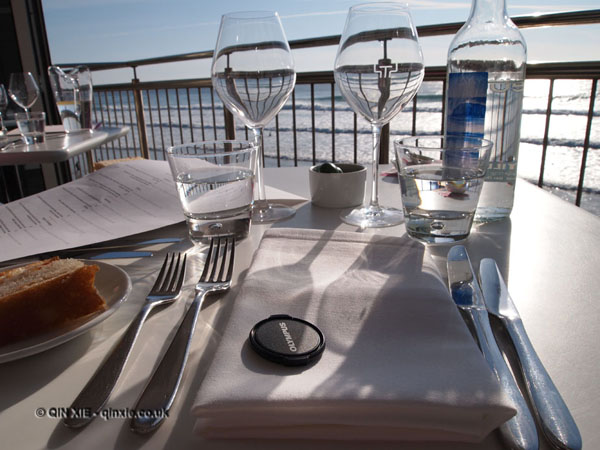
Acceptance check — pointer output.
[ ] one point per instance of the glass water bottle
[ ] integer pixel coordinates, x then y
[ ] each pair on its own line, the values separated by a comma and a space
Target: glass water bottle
484, 97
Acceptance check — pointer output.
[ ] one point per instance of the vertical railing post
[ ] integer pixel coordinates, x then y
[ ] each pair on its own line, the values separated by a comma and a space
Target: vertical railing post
586, 143
229, 124
139, 114
89, 159
546, 133
384, 145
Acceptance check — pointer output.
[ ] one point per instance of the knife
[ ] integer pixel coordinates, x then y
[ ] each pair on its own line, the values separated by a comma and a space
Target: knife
520, 431
106, 246
118, 255
105, 250
556, 421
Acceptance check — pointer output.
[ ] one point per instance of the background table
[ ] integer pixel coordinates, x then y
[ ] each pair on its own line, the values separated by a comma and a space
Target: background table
57, 148
548, 250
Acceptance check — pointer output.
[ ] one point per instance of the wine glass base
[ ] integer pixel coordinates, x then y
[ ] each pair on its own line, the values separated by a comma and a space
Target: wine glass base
269, 213
373, 217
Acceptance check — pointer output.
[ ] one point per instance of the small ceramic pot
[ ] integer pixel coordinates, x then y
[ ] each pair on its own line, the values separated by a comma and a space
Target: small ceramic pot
338, 190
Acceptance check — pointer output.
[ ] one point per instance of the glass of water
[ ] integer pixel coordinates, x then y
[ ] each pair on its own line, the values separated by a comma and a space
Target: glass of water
440, 182
32, 126
215, 183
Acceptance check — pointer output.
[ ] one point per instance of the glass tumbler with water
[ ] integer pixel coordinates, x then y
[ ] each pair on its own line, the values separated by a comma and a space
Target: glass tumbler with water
32, 126
440, 182
215, 182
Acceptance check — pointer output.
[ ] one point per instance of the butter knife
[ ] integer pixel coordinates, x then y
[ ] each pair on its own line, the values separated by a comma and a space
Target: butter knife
556, 421
520, 431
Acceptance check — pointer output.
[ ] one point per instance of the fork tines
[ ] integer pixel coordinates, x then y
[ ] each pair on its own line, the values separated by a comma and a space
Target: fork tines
221, 250
172, 280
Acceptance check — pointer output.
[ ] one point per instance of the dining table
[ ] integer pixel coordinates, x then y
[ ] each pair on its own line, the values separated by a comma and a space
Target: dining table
547, 250
58, 148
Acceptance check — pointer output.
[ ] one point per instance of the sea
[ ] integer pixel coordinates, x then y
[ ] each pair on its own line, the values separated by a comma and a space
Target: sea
177, 116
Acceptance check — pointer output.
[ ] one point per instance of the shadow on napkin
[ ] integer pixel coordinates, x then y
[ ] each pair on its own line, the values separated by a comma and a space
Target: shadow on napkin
399, 363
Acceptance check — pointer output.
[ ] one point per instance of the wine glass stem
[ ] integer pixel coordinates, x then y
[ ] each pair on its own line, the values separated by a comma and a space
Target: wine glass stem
376, 130
258, 142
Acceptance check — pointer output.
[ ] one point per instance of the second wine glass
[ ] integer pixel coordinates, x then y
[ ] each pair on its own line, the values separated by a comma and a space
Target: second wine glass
379, 69
23, 89
253, 74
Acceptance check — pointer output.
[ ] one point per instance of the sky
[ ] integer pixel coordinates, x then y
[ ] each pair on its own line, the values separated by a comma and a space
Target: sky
83, 31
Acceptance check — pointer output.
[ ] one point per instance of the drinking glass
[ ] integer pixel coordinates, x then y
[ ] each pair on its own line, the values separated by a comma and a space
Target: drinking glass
440, 181
3, 105
253, 74
23, 89
32, 126
379, 69
215, 180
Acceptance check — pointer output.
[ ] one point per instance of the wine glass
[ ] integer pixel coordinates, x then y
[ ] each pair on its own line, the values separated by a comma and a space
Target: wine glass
253, 74
23, 89
379, 69
3, 105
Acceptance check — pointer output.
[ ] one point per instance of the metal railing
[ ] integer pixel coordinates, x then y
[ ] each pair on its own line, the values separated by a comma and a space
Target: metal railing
164, 113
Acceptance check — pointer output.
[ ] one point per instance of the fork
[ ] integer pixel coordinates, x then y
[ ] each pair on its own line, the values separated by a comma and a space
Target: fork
160, 392
98, 389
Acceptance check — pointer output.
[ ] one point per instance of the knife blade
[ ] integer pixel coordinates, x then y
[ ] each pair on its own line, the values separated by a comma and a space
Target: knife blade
102, 250
520, 431
106, 246
555, 419
119, 255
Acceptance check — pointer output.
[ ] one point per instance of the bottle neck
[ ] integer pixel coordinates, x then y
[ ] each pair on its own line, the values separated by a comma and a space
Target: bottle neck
488, 11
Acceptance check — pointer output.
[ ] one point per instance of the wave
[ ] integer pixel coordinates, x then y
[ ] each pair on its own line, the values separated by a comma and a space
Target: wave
552, 142
322, 107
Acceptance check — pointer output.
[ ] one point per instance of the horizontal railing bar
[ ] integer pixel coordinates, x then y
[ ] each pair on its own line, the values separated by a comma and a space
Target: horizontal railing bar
314, 77
574, 70
182, 57
162, 84
571, 70
529, 21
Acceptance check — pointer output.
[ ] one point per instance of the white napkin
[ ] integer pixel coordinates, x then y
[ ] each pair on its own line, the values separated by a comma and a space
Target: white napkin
399, 362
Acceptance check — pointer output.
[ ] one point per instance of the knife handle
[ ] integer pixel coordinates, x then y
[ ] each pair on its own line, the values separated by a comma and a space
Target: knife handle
519, 432
556, 421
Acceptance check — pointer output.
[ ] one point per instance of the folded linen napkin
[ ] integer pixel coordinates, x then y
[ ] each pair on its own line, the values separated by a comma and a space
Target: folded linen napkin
399, 362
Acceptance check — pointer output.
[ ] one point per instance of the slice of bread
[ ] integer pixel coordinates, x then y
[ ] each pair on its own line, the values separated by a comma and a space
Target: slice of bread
46, 295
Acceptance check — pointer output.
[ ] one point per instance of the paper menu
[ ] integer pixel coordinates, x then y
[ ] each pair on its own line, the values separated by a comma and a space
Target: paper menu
119, 200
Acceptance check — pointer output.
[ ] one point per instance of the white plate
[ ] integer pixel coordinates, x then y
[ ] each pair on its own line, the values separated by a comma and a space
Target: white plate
114, 286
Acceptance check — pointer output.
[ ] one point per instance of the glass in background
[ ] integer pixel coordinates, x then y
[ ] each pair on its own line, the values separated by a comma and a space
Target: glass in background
23, 90
253, 74
72, 88
379, 69
3, 105
32, 126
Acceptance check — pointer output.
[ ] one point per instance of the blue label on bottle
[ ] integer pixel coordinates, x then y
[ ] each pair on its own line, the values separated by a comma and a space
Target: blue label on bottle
465, 108
465, 115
